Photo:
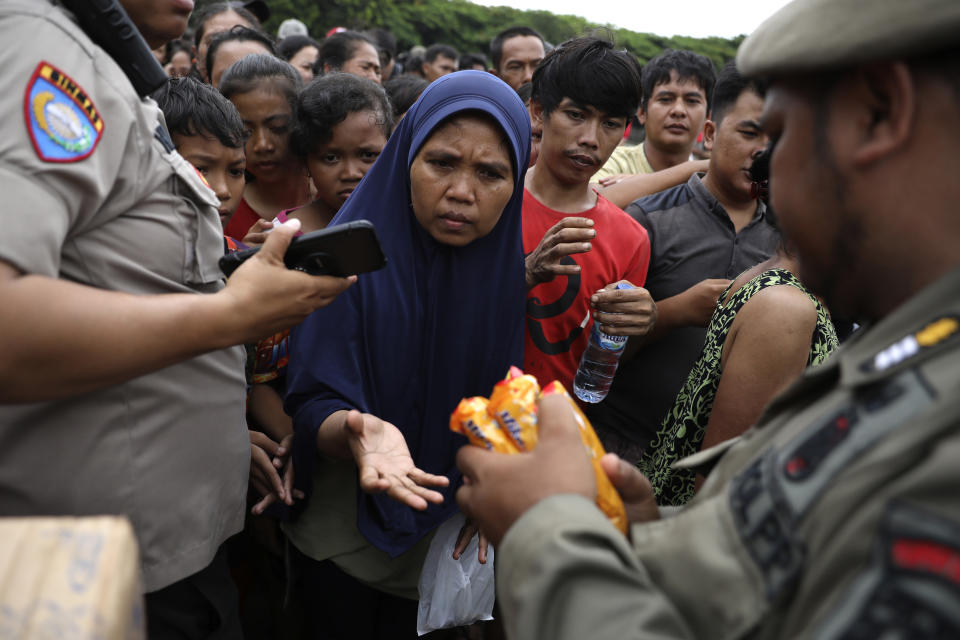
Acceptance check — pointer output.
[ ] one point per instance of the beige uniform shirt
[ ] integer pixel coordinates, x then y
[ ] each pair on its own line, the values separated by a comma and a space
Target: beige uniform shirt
94, 193
838, 516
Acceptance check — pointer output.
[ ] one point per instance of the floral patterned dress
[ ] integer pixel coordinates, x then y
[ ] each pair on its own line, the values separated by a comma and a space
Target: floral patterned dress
683, 428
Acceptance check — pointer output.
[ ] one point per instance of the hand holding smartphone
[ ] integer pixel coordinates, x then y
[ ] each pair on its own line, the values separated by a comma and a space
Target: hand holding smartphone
343, 250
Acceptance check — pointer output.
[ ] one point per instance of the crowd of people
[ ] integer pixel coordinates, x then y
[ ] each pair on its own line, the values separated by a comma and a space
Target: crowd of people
280, 440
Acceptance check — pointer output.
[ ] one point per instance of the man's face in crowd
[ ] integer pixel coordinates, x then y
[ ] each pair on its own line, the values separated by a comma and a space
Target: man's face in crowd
159, 21
735, 142
674, 114
577, 139
808, 195
519, 59
440, 66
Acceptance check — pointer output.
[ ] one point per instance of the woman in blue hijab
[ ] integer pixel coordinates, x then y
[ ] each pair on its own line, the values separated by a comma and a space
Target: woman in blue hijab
374, 377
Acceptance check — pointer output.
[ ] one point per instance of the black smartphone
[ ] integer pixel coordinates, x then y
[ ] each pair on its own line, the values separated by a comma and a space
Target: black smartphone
343, 250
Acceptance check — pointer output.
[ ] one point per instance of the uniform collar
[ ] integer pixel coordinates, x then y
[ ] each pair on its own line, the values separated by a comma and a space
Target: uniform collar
911, 334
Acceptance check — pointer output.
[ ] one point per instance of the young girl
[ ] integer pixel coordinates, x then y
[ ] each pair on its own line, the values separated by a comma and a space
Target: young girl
342, 125
264, 91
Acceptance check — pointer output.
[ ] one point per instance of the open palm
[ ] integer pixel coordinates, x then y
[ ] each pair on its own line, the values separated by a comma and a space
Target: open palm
385, 465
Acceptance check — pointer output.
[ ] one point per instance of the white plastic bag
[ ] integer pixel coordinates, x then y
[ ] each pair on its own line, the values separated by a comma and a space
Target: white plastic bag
454, 593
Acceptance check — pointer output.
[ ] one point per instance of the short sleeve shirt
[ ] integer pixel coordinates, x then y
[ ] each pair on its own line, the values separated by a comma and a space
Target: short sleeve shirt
691, 239
625, 159
94, 193
559, 318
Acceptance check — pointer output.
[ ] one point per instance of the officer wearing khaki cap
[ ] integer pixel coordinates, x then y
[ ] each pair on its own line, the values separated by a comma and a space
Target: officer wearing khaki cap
837, 515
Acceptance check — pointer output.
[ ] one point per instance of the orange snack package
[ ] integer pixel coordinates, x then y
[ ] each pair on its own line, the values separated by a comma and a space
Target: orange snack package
513, 404
608, 500
472, 419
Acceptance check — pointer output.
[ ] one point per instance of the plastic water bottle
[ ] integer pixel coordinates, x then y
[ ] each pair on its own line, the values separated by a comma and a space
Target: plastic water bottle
599, 363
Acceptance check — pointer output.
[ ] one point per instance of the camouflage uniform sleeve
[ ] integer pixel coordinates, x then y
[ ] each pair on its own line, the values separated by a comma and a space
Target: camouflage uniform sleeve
564, 572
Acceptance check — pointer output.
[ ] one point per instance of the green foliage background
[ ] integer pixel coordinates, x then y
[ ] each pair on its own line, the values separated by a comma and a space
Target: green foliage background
469, 27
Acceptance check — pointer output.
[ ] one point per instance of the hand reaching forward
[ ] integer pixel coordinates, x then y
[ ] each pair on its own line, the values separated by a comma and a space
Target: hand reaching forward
385, 465
499, 488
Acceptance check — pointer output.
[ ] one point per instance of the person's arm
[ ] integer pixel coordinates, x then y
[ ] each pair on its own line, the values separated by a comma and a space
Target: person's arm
381, 455
61, 338
691, 308
568, 573
621, 191
767, 349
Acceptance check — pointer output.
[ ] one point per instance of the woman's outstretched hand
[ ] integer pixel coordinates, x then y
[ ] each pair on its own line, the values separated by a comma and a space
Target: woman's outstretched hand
385, 465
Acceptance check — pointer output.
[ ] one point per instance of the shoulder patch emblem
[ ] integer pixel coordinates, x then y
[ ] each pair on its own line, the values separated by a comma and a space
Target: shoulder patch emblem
61, 119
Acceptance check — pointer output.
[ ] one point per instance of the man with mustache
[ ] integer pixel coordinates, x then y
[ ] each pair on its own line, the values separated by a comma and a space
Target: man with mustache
579, 245
836, 516
702, 234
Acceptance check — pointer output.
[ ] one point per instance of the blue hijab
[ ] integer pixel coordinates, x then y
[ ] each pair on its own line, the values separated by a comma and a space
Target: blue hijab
437, 324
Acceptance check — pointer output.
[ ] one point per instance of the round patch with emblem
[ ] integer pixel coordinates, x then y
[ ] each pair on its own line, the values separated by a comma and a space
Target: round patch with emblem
63, 123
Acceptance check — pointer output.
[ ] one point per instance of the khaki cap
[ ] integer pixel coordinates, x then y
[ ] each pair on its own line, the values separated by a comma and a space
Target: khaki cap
810, 35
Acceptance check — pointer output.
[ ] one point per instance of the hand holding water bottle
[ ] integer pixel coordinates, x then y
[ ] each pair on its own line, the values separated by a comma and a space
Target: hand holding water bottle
623, 309
620, 310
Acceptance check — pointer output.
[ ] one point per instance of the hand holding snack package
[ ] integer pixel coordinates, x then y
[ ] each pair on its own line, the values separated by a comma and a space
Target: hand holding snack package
507, 423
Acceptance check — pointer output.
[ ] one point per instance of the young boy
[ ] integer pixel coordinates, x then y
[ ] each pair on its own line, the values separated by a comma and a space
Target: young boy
207, 131
579, 245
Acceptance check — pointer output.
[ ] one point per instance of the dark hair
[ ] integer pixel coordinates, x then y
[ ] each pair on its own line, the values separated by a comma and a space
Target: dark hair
525, 91
201, 17
403, 91
291, 45
174, 47
730, 84
193, 108
687, 64
496, 45
413, 66
434, 51
338, 49
589, 71
237, 33
244, 75
468, 60
327, 101
385, 42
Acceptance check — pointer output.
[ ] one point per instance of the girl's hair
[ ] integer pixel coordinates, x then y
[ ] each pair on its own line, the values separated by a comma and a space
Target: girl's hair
339, 48
247, 73
202, 16
289, 46
237, 33
327, 101
403, 91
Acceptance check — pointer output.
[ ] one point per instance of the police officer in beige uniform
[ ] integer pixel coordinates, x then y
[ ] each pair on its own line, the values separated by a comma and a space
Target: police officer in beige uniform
120, 392
838, 515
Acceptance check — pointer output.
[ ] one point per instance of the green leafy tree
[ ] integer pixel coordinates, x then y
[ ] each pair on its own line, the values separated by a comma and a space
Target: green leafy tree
470, 27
